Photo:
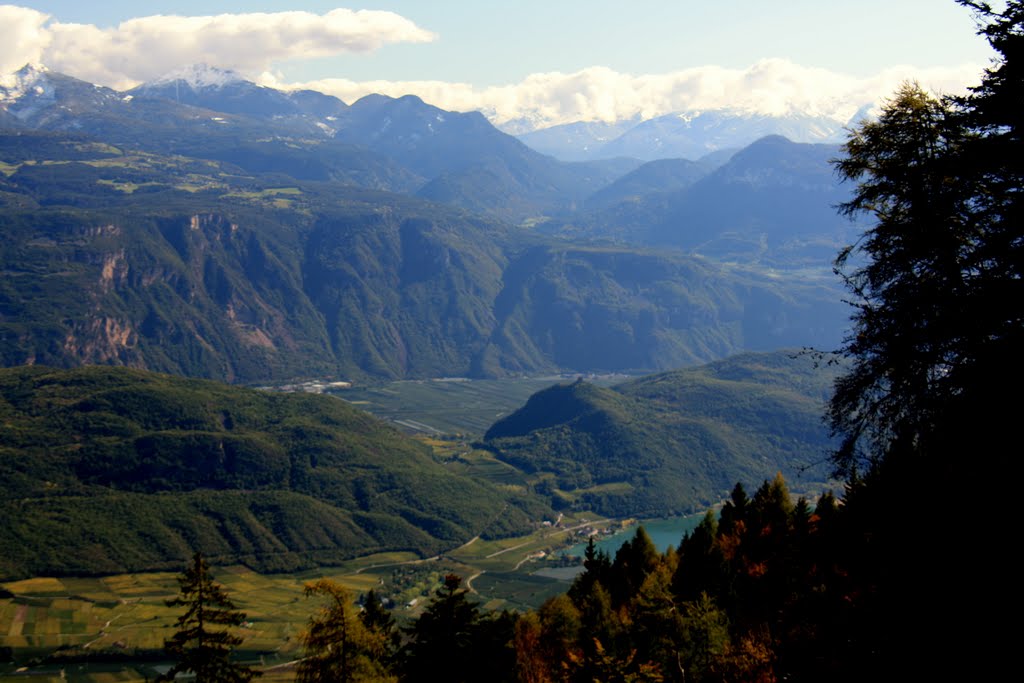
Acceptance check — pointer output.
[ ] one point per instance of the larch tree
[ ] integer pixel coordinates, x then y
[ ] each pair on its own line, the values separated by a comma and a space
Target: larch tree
338, 647
938, 279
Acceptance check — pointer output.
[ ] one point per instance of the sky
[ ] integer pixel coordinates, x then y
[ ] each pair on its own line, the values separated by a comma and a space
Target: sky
545, 62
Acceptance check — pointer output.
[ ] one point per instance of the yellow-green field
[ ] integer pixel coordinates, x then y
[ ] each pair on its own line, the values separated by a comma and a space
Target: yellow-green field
126, 614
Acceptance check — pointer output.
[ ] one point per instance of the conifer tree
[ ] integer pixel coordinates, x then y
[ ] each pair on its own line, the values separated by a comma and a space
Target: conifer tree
931, 398
203, 643
377, 618
443, 637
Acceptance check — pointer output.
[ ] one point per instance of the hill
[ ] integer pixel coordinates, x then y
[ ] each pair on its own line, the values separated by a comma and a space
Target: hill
664, 175
672, 442
109, 470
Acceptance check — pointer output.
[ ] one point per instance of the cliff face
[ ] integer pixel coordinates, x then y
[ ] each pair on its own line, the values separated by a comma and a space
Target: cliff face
245, 295
198, 294
194, 267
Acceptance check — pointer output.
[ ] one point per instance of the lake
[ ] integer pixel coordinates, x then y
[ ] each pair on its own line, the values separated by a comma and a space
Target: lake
663, 532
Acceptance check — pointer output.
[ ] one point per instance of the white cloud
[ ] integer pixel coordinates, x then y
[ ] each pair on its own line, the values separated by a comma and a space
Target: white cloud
771, 86
145, 48
25, 38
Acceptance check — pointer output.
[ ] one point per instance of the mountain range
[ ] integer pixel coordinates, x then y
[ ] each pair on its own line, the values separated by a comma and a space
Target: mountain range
682, 135
240, 233
207, 227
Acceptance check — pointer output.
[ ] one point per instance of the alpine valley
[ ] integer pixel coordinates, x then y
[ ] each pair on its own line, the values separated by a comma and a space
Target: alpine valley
201, 231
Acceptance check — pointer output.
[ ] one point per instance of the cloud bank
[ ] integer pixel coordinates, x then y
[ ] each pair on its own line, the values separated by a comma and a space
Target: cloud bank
146, 48
771, 86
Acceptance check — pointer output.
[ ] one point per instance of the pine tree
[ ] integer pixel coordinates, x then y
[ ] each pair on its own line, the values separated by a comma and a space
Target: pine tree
203, 642
443, 637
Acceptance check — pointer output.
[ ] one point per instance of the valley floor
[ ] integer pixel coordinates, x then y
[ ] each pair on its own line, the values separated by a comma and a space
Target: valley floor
52, 627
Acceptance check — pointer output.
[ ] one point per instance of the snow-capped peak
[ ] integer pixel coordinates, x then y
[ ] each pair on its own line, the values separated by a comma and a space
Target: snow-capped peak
201, 76
28, 79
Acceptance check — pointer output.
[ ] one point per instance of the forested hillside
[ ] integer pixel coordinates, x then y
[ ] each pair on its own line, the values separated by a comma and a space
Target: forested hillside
107, 470
673, 442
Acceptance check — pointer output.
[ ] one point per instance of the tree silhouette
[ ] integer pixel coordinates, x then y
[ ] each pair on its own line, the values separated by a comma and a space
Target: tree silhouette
911, 292
443, 636
931, 400
202, 644
938, 280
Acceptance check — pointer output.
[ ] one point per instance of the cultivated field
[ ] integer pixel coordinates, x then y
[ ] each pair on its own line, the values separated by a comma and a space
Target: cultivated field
70, 620
452, 406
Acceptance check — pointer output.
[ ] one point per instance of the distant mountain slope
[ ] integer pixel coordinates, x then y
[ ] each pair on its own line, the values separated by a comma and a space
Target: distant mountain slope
49, 101
680, 135
664, 175
108, 470
225, 91
628, 309
673, 442
580, 141
470, 163
398, 144
185, 265
691, 135
772, 203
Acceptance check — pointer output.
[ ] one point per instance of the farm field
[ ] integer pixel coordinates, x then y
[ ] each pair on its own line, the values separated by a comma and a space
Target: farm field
454, 405
126, 616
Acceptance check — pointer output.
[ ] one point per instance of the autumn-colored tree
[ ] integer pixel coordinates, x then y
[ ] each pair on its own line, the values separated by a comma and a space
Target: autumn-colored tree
337, 647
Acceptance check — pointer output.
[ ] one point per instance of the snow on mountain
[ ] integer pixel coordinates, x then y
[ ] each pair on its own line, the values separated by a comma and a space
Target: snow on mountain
224, 90
685, 135
36, 96
200, 76
580, 141
30, 79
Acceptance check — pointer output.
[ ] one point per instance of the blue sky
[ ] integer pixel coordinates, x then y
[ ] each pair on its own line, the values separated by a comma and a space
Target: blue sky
494, 52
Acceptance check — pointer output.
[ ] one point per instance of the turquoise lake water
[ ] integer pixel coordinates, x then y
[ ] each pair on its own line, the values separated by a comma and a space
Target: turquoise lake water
663, 532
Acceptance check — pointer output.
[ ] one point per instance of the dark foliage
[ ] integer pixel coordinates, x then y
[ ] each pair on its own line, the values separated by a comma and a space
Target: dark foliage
453, 641
937, 338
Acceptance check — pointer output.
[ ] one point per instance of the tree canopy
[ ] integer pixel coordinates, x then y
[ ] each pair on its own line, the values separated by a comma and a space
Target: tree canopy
339, 647
937, 280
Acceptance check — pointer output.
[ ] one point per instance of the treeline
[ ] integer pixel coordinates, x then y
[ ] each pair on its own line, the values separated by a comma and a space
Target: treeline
769, 590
